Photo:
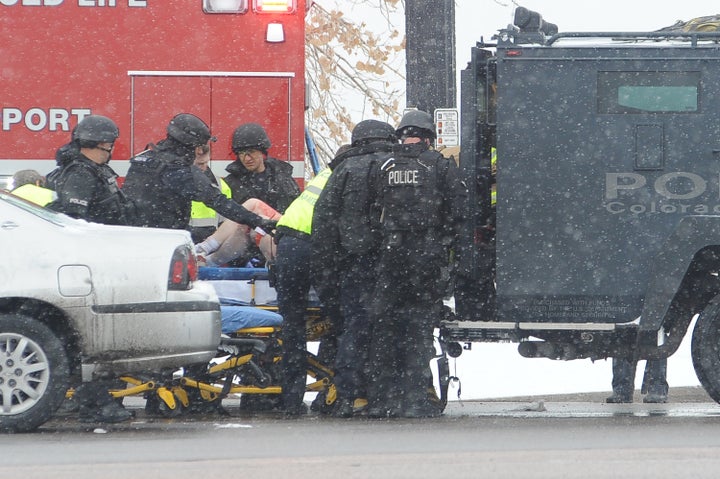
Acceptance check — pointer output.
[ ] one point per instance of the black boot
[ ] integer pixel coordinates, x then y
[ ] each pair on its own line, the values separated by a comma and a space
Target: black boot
344, 408
617, 398
111, 412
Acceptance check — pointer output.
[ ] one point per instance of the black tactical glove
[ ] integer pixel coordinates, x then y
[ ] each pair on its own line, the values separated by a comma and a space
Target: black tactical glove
268, 226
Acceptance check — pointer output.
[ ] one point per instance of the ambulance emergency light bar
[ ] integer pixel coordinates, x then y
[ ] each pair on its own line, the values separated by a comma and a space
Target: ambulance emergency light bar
241, 6
274, 6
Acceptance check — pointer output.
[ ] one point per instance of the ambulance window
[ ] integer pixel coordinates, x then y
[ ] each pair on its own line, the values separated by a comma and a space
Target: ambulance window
648, 92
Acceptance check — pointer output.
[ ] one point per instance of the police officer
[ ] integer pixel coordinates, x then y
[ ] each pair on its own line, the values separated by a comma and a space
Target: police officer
346, 234
85, 185
421, 199
30, 185
256, 175
87, 189
296, 272
163, 183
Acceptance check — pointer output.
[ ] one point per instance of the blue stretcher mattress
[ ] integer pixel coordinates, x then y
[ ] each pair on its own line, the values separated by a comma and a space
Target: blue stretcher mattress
241, 317
239, 291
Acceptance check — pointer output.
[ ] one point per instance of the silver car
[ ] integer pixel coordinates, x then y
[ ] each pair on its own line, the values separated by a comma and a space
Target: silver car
84, 300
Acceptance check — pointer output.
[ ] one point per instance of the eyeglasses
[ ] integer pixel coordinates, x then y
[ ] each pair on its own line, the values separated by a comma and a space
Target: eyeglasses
244, 153
106, 150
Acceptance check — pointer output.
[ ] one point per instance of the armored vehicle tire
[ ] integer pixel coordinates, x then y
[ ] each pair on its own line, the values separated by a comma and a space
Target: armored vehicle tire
34, 373
706, 349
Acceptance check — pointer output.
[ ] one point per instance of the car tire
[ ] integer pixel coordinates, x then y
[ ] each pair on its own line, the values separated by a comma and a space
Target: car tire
34, 373
705, 351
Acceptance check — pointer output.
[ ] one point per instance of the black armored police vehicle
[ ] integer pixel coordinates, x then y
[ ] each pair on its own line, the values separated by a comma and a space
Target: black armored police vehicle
596, 231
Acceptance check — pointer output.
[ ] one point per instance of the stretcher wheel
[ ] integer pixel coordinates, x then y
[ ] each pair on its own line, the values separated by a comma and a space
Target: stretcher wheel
324, 402
154, 406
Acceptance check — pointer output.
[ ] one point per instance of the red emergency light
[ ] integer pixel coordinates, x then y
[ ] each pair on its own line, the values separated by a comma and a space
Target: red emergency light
274, 6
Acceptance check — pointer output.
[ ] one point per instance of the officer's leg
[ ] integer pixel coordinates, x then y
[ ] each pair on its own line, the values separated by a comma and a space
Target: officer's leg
623, 381
293, 285
417, 352
327, 349
354, 341
384, 369
330, 300
655, 384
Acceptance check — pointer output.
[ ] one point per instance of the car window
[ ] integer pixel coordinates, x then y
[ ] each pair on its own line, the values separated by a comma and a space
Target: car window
44, 213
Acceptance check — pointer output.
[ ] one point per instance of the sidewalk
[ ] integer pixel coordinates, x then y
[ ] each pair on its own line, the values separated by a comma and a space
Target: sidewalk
676, 395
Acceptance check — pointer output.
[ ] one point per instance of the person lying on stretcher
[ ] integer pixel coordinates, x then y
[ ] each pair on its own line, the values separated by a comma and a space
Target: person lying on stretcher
232, 240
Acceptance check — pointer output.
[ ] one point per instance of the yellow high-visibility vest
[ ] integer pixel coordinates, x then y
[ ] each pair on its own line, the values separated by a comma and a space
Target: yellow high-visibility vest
202, 215
298, 215
37, 194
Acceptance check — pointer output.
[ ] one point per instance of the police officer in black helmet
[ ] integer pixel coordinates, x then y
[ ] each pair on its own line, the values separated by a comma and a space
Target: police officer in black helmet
255, 174
346, 235
421, 199
87, 189
86, 186
162, 182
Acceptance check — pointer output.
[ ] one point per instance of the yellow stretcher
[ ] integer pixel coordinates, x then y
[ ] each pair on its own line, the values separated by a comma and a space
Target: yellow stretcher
248, 359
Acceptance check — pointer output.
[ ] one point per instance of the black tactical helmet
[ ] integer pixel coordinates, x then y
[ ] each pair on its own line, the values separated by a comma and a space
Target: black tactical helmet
250, 136
417, 123
189, 130
372, 130
96, 128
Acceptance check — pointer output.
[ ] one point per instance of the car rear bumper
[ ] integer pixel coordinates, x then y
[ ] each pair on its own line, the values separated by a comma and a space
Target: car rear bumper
150, 337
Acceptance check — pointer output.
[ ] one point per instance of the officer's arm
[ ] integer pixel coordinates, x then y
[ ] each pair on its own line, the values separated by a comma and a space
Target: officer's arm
210, 194
76, 193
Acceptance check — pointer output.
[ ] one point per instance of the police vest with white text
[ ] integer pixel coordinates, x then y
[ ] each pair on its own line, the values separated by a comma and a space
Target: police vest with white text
411, 199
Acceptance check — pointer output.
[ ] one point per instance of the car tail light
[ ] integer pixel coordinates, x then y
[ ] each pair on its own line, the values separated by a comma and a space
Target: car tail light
183, 269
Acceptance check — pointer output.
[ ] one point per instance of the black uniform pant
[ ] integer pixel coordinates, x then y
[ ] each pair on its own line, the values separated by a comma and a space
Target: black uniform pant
295, 275
654, 379
408, 304
356, 289
293, 280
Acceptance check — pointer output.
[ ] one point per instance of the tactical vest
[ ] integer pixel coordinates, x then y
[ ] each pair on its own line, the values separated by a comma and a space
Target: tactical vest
411, 199
151, 184
299, 214
109, 207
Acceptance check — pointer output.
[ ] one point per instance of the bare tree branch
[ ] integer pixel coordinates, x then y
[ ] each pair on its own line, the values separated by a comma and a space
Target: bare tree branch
354, 70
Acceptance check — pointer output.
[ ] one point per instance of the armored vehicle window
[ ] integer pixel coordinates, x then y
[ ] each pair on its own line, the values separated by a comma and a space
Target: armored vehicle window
648, 92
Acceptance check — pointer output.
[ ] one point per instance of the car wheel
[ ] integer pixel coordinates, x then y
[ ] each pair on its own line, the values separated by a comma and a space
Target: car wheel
706, 349
34, 373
